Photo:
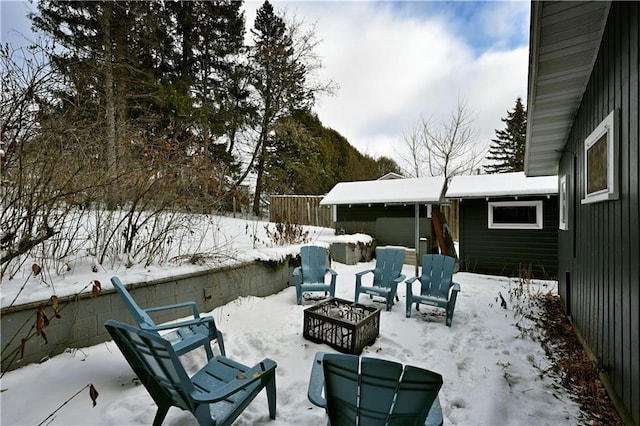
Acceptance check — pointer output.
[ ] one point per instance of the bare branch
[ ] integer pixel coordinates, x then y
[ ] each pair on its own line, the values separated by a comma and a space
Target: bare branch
448, 148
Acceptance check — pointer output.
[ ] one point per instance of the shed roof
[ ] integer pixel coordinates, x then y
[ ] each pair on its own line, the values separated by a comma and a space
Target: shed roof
391, 175
391, 191
501, 184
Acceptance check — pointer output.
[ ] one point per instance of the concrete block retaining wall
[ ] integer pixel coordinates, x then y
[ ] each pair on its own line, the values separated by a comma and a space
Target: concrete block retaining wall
82, 317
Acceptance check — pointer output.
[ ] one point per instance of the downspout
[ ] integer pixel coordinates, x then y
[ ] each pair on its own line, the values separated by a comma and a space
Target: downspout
417, 236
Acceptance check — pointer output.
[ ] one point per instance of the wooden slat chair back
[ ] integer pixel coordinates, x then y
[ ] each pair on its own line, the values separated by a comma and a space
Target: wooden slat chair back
370, 391
436, 285
185, 335
386, 276
216, 395
311, 274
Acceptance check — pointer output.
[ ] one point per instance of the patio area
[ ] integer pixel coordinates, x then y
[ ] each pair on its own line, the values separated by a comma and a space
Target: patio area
493, 374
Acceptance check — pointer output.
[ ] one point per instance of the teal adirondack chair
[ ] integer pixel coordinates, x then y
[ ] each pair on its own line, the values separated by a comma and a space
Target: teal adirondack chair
386, 276
216, 395
310, 276
370, 391
436, 285
185, 336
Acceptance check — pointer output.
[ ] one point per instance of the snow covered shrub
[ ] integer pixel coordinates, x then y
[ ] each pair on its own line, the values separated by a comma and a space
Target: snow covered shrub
285, 233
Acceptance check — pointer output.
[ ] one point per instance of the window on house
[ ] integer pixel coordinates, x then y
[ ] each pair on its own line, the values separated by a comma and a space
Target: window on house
601, 162
515, 215
564, 204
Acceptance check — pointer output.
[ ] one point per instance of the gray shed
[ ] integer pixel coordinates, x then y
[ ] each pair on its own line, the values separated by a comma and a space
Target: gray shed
387, 209
508, 224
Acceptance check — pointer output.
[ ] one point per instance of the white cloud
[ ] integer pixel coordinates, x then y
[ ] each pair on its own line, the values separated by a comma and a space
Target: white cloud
392, 68
506, 20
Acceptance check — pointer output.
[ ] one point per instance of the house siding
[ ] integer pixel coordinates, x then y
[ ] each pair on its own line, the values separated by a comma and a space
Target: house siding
388, 224
508, 251
599, 255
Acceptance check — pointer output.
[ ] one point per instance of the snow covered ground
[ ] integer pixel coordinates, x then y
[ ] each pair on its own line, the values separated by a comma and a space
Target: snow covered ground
493, 374
220, 240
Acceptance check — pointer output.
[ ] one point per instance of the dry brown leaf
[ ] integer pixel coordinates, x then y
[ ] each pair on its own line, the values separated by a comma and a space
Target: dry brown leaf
41, 322
36, 269
54, 306
96, 289
40, 319
93, 393
241, 377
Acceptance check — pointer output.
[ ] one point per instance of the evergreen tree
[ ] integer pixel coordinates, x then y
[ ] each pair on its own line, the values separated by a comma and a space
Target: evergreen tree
311, 159
169, 74
278, 78
79, 31
295, 168
507, 148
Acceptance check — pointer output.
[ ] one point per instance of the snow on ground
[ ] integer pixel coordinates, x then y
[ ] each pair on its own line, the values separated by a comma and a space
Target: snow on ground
222, 241
492, 373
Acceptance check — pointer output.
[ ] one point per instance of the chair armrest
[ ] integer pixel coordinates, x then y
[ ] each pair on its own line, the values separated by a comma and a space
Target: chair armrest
316, 382
361, 273
332, 272
399, 279
198, 321
255, 373
411, 280
296, 270
194, 308
455, 287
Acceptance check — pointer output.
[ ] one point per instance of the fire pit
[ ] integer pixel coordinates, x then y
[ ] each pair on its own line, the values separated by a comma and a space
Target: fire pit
342, 324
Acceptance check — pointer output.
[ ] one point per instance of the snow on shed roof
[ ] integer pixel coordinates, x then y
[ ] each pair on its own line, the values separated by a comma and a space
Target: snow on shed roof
501, 184
392, 191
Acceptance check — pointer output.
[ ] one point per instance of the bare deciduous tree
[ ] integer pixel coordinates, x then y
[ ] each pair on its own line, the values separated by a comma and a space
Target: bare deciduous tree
55, 194
447, 148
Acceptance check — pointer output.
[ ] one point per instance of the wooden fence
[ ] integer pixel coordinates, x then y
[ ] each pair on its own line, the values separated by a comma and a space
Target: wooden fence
300, 209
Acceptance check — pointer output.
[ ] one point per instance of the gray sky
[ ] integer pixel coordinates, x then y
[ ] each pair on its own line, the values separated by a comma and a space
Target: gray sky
395, 62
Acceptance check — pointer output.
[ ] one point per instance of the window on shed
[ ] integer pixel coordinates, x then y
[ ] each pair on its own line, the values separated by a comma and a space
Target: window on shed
515, 215
601, 162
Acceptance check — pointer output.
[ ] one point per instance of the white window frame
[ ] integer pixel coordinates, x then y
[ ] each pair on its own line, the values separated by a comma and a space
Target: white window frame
534, 203
609, 128
563, 206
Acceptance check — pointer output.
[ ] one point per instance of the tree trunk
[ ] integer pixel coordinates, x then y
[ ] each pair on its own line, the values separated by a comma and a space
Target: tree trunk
261, 161
110, 109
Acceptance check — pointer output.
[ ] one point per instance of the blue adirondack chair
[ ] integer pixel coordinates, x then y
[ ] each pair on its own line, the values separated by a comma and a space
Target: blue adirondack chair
436, 285
185, 336
371, 391
386, 276
310, 276
216, 395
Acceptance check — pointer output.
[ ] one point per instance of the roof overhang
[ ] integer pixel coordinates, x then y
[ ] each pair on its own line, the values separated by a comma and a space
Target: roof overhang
564, 42
501, 185
426, 190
